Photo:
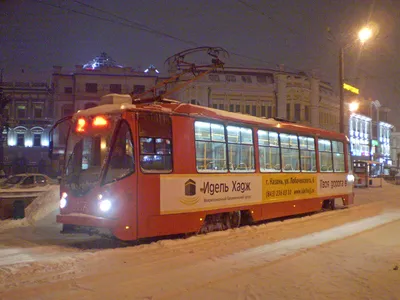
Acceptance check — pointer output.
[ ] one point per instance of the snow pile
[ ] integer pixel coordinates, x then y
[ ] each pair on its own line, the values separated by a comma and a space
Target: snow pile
44, 205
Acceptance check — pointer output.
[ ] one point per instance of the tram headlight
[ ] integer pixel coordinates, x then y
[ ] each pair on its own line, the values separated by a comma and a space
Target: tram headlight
350, 178
63, 200
105, 205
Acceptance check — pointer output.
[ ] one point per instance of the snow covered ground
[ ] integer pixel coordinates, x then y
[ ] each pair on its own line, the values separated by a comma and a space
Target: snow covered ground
343, 254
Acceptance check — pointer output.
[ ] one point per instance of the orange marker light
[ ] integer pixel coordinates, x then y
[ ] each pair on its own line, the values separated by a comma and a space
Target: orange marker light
100, 121
80, 126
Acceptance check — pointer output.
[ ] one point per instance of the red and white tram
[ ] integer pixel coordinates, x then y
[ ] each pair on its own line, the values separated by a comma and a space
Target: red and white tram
161, 167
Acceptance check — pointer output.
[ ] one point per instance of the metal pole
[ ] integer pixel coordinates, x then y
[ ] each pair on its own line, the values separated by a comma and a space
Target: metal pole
341, 92
2, 121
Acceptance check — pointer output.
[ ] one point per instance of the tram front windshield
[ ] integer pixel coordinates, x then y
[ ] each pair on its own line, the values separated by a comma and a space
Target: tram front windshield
87, 151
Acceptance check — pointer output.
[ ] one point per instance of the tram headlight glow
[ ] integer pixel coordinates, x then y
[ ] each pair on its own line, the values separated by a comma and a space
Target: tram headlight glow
105, 205
63, 200
350, 178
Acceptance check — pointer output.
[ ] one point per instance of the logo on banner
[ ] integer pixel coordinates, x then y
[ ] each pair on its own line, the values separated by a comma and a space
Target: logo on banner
190, 197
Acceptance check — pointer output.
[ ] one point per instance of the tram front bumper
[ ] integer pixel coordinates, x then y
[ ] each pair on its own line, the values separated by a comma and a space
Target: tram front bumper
86, 220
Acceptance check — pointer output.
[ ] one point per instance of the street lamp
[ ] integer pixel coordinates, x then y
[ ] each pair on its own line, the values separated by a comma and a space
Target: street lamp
363, 35
353, 106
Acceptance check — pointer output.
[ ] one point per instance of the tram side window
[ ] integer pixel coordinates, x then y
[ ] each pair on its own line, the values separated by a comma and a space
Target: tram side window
210, 147
155, 133
307, 154
268, 148
325, 155
155, 154
240, 149
338, 156
290, 152
121, 161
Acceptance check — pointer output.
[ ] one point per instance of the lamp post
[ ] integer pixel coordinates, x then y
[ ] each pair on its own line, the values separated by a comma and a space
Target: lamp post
4, 100
363, 35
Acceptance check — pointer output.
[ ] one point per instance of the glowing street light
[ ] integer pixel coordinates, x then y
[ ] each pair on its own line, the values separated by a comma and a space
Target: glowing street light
364, 34
353, 106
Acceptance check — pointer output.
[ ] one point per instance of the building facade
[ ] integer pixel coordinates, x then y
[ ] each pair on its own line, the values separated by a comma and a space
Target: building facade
264, 93
28, 118
370, 134
395, 149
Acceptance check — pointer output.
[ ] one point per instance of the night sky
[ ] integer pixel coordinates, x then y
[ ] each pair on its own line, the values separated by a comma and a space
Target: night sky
37, 34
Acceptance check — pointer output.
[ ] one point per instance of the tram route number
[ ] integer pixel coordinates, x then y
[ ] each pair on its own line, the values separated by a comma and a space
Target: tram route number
278, 193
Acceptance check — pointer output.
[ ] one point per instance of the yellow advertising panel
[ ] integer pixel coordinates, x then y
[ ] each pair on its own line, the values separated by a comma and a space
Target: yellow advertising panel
286, 187
199, 192
350, 88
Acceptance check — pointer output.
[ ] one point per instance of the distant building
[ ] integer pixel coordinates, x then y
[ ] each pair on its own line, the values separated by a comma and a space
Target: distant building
369, 133
395, 149
29, 117
265, 93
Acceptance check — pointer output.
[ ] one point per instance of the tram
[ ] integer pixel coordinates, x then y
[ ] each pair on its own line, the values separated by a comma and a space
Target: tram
160, 167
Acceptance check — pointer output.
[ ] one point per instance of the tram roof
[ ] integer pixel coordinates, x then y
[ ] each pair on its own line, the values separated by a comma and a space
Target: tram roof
178, 108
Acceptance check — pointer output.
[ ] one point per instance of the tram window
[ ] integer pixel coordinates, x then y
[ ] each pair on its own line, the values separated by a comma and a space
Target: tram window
290, 152
268, 149
240, 149
121, 161
325, 155
155, 143
210, 147
338, 156
307, 154
155, 154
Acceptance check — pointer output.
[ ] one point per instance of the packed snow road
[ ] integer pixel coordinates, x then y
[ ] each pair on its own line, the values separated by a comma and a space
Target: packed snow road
343, 254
